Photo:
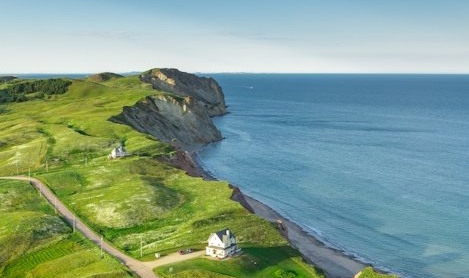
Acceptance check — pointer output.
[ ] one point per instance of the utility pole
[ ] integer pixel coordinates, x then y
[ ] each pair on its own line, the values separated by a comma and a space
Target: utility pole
16, 162
74, 223
101, 244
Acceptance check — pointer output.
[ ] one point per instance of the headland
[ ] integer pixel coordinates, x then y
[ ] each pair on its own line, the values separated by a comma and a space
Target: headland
195, 100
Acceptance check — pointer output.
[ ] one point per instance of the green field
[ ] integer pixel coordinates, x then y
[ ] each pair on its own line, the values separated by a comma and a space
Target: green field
282, 262
37, 243
64, 141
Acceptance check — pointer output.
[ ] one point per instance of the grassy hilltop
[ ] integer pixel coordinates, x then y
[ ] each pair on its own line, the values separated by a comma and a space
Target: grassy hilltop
64, 140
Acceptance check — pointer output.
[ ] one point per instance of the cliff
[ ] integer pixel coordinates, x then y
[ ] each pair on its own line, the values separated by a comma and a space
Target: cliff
169, 118
181, 114
185, 84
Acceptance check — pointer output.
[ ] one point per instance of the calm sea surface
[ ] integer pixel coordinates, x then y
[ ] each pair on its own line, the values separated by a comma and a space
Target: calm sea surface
376, 165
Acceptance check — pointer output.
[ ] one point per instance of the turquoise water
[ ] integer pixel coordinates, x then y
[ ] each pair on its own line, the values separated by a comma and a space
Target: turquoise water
376, 165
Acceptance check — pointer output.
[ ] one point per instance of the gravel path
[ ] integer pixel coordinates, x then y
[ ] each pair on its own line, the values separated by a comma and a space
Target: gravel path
173, 258
138, 267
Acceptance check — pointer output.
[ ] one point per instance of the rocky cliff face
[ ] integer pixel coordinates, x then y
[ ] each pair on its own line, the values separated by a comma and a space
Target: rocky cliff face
205, 90
179, 115
182, 121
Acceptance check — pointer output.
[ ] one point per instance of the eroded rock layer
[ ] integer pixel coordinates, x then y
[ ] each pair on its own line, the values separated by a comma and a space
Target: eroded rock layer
185, 84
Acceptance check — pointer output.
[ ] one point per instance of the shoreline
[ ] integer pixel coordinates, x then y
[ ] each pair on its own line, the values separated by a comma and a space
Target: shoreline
335, 263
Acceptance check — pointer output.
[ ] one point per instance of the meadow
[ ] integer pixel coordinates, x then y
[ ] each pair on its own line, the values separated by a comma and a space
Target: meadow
281, 261
37, 243
64, 141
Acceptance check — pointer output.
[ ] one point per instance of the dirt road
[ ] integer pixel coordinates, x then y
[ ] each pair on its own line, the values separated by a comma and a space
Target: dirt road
173, 258
138, 267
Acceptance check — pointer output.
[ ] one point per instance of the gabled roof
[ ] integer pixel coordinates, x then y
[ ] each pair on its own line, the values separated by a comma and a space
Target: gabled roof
225, 236
221, 233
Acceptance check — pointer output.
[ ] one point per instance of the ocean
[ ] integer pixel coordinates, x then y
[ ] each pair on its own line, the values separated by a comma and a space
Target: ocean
374, 165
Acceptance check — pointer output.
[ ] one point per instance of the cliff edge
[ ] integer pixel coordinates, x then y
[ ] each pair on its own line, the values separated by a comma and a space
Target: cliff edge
181, 113
185, 84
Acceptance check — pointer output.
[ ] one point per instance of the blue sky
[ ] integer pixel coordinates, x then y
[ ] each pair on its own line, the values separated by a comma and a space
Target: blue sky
360, 36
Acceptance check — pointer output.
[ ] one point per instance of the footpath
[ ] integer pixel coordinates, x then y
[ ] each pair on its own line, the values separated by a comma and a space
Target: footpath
141, 269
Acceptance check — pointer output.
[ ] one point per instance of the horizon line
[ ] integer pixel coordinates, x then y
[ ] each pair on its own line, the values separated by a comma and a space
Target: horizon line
242, 72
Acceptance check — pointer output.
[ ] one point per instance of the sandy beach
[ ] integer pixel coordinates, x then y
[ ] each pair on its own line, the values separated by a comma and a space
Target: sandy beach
333, 262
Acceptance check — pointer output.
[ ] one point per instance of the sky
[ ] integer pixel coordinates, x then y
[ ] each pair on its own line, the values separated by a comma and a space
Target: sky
298, 36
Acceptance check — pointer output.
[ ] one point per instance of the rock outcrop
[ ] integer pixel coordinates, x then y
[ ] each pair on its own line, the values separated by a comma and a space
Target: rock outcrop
184, 160
172, 118
180, 114
205, 90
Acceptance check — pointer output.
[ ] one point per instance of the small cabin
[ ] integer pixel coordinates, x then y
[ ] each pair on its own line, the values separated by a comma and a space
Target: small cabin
118, 152
222, 244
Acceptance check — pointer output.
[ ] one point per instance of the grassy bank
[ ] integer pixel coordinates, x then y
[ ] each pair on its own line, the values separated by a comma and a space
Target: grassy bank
369, 272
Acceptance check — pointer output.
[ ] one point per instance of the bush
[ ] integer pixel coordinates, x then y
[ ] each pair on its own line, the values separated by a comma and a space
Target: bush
285, 273
17, 92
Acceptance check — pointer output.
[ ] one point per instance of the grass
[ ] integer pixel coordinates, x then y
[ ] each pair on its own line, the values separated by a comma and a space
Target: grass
254, 262
37, 243
80, 264
72, 256
65, 140
369, 272
128, 82
140, 197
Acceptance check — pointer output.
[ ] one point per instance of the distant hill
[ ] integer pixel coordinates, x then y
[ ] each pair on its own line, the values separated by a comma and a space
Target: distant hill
104, 76
7, 78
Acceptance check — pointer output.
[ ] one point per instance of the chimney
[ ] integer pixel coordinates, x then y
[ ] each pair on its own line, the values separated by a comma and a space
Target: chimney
228, 233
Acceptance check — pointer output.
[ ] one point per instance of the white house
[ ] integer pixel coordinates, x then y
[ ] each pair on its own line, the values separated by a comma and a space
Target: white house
222, 244
118, 152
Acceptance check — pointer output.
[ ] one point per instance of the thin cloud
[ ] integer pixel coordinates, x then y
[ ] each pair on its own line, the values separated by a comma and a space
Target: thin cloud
108, 35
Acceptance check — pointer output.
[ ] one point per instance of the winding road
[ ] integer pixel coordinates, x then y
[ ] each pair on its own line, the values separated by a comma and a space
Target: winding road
141, 269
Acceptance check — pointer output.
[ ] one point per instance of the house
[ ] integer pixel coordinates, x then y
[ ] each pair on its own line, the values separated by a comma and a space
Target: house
118, 152
222, 244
